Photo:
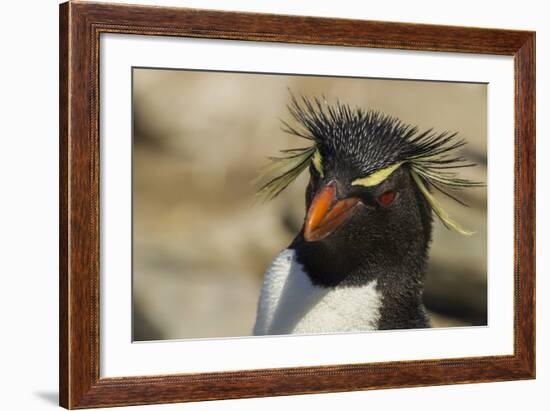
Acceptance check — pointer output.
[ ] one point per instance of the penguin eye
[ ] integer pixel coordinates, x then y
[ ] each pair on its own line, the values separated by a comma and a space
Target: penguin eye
386, 198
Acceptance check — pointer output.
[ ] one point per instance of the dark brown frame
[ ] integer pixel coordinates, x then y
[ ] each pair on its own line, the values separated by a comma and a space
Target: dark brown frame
80, 27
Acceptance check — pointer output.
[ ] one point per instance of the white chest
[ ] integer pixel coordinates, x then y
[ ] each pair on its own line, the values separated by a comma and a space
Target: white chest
290, 304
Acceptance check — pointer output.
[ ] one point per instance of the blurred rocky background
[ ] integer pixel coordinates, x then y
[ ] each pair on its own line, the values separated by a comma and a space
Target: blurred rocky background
201, 244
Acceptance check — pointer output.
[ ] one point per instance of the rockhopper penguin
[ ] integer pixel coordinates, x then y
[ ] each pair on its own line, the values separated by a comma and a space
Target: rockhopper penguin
358, 262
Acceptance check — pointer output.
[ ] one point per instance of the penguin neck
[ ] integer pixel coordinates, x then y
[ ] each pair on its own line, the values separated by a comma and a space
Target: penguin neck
329, 266
398, 275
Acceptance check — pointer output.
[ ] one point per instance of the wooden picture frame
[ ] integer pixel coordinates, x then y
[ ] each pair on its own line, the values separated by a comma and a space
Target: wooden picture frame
80, 27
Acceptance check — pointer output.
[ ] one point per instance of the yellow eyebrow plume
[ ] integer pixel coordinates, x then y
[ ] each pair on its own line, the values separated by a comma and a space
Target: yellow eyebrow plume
376, 177
443, 216
317, 162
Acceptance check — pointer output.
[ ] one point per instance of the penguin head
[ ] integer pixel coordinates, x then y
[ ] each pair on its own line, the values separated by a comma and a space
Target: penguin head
372, 178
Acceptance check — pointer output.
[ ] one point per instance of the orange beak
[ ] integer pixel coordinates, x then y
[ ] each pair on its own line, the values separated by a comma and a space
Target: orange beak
325, 215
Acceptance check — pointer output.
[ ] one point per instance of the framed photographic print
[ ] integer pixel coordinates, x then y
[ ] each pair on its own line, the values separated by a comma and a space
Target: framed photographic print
258, 205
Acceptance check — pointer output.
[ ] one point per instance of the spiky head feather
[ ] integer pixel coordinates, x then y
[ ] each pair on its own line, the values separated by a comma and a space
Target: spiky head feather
375, 145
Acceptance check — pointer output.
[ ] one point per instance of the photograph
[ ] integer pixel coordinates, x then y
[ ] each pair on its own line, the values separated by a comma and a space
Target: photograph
278, 204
